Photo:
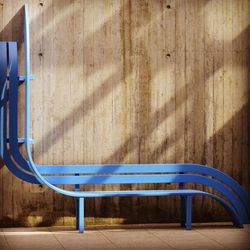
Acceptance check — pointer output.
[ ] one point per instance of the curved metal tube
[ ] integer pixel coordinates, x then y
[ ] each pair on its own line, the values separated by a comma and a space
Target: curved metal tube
186, 192
13, 107
5, 153
150, 168
152, 178
32, 165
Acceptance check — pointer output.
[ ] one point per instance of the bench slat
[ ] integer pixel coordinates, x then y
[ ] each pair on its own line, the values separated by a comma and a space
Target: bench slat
129, 179
141, 193
13, 106
109, 168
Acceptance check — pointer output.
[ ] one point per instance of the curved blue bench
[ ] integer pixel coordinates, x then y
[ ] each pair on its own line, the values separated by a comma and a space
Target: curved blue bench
232, 197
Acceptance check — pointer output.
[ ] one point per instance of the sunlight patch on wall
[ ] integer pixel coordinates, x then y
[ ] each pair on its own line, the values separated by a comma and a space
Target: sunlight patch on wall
223, 25
34, 219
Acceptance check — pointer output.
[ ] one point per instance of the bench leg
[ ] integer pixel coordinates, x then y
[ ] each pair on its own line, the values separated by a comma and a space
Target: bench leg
189, 212
81, 215
77, 213
77, 188
183, 205
183, 211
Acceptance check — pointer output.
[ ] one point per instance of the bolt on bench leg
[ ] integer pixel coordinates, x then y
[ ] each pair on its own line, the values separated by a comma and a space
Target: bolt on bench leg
81, 215
189, 212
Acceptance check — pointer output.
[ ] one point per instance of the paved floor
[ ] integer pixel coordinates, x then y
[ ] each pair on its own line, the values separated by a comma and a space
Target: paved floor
171, 236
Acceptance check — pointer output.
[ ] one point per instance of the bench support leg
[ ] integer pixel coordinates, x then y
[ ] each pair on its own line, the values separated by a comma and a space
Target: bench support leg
77, 188
77, 213
81, 215
183, 211
189, 212
183, 205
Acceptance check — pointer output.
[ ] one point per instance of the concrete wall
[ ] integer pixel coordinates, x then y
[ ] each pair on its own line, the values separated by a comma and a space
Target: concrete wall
131, 82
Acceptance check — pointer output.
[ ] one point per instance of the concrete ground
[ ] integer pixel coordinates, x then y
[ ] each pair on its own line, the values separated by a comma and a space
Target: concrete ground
158, 236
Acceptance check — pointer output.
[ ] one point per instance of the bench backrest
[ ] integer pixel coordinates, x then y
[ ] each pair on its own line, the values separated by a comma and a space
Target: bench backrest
9, 150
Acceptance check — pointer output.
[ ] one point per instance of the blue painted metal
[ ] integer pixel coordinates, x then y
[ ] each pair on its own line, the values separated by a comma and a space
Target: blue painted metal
77, 213
152, 178
22, 78
189, 212
5, 152
13, 105
81, 215
22, 140
236, 201
3, 76
183, 205
151, 168
183, 211
77, 189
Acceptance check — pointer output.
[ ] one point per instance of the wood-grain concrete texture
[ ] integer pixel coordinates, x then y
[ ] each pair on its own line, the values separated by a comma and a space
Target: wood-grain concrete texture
131, 82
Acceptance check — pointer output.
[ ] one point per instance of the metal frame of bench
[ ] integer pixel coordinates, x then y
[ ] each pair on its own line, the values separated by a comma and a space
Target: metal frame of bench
232, 196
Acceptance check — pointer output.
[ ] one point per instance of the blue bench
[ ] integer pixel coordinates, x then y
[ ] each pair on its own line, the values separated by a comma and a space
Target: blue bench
232, 196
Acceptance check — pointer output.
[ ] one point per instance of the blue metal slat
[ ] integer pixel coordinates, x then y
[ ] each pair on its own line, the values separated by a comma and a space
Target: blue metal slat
13, 106
3, 77
149, 168
5, 154
152, 178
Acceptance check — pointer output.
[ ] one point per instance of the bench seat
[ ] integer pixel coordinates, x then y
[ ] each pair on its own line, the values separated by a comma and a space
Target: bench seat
186, 203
